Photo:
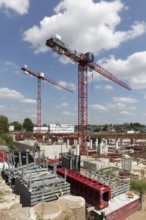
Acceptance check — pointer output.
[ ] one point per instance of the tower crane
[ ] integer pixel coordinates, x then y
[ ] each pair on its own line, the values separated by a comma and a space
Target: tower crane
85, 61
41, 76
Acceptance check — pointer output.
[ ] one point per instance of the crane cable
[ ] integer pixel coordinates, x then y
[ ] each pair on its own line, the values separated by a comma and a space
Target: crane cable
92, 83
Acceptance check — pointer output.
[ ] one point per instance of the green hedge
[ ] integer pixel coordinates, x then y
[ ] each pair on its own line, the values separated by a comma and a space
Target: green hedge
139, 185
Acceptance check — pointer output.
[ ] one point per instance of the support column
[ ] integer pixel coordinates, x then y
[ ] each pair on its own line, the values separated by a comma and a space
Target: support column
117, 144
91, 144
96, 144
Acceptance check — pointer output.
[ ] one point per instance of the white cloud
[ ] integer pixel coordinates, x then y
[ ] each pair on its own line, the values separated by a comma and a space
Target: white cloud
8, 67
98, 87
137, 29
133, 68
145, 96
114, 106
10, 94
10, 64
2, 106
19, 6
132, 108
62, 105
106, 87
29, 101
63, 85
121, 106
70, 86
101, 21
99, 107
125, 113
67, 113
6, 93
125, 100
117, 105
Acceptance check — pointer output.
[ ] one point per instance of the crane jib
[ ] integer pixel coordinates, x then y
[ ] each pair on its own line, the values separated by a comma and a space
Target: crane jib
108, 75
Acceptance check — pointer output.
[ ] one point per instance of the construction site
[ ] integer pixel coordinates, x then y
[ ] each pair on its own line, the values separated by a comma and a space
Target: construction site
48, 174
72, 175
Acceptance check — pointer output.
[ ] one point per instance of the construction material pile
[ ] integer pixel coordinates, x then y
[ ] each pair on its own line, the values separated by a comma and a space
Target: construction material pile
35, 184
117, 186
39, 185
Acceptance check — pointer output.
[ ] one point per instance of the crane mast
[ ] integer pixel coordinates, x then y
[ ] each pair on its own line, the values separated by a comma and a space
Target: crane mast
82, 107
39, 114
84, 61
41, 76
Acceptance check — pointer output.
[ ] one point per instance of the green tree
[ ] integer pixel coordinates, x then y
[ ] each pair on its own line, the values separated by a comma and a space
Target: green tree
6, 140
27, 124
96, 129
104, 128
139, 185
4, 124
17, 126
2, 141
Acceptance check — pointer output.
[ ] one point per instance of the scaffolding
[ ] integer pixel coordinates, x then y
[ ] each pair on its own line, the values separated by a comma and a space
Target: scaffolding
117, 185
34, 182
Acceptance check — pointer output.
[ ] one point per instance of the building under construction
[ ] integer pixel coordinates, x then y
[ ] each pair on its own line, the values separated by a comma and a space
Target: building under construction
46, 178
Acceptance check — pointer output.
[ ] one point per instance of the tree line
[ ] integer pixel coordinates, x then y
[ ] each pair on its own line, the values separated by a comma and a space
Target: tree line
27, 125
5, 137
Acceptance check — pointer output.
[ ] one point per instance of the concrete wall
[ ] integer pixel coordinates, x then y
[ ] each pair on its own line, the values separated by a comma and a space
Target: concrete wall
52, 151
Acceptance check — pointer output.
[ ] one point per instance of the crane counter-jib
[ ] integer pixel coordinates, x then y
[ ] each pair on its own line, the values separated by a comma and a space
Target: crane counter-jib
61, 48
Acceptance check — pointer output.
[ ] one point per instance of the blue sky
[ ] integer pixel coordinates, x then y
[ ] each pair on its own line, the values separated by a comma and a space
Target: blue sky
114, 31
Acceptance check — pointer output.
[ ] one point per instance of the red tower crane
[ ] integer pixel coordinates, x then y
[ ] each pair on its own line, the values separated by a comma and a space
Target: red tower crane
41, 76
84, 61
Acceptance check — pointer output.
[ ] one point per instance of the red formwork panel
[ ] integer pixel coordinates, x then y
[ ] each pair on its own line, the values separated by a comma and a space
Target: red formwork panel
3, 156
119, 213
125, 211
94, 192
